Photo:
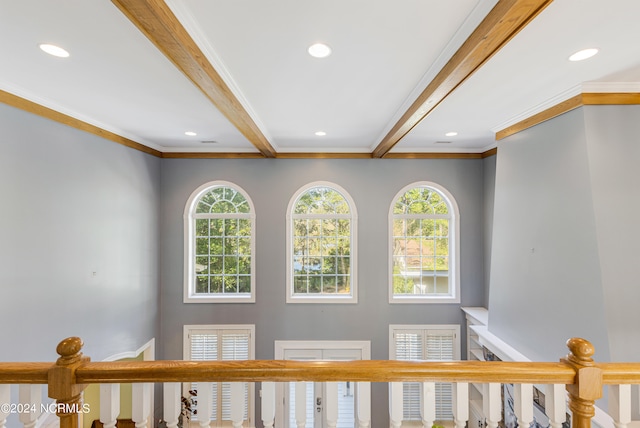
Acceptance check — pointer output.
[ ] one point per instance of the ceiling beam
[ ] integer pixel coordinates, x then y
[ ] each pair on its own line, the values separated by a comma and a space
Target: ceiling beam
155, 20
504, 21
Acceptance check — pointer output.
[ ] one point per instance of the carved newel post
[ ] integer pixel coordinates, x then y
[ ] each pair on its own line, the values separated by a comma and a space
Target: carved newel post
587, 387
62, 381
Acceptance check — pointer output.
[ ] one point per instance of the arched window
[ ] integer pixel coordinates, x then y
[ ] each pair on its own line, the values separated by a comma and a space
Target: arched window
424, 245
321, 245
219, 245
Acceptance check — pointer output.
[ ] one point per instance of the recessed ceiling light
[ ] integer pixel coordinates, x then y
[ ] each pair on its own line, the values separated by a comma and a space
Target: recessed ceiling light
190, 133
583, 54
319, 50
54, 50
321, 133
451, 134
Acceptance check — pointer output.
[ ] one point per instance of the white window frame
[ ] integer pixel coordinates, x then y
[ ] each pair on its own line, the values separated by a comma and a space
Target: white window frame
353, 216
454, 250
400, 328
202, 328
190, 296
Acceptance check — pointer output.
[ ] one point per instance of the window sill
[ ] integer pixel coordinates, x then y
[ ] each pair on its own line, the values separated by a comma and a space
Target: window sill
413, 299
322, 299
212, 298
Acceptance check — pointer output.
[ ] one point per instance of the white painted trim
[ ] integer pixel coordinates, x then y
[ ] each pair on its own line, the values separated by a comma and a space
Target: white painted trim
353, 298
454, 241
148, 350
189, 281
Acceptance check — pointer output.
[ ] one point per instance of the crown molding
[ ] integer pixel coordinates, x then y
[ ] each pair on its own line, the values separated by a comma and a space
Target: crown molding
583, 98
56, 114
588, 93
550, 103
608, 87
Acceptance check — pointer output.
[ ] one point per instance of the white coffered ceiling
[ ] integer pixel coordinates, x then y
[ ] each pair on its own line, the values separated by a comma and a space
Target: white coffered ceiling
384, 54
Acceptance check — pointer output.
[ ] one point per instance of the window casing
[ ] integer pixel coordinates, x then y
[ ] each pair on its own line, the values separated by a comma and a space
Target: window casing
321, 245
221, 343
424, 260
428, 343
219, 245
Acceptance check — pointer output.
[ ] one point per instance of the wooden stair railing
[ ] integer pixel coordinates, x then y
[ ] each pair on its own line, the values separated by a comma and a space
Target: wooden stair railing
66, 379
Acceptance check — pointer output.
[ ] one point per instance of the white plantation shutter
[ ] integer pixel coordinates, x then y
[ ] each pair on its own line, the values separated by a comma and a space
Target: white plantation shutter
221, 344
431, 345
440, 347
409, 346
235, 346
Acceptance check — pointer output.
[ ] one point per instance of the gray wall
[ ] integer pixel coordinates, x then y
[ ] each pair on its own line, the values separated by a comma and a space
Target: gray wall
613, 145
74, 204
271, 183
565, 252
489, 184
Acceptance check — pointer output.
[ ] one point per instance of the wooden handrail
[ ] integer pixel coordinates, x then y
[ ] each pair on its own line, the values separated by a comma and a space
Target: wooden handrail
620, 373
583, 377
24, 373
325, 371
113, 372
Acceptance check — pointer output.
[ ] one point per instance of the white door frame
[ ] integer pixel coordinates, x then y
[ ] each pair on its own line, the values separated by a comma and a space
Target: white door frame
281, 346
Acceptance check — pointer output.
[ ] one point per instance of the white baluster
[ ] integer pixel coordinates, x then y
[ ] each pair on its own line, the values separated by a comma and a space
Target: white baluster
237, 403
140, 403
331, 404
205, 403
396, 404
460, 393
620, 404
555, 405
172, 405
523, 404
268, 404
109, 404
301, 404
31, 396
364, 404
428, 404
5, 398
491, 404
